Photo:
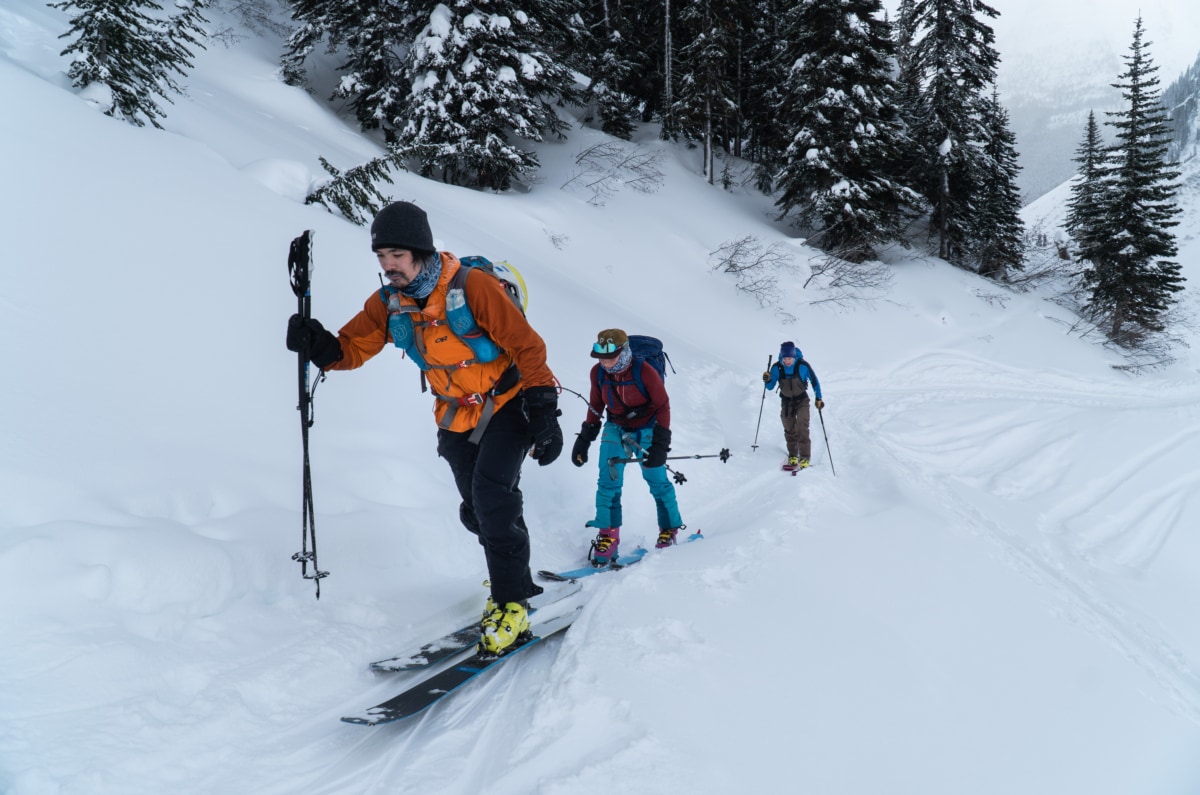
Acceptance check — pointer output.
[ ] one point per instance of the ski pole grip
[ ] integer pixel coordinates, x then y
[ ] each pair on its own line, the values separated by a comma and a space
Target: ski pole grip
300, 262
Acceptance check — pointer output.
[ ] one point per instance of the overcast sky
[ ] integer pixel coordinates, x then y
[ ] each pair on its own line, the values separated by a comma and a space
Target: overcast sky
1027, 28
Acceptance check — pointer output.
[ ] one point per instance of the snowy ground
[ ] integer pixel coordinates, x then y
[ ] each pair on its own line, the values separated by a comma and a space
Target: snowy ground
993, 594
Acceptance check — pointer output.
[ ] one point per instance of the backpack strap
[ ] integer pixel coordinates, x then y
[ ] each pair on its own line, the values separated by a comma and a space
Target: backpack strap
636, 369
608, 390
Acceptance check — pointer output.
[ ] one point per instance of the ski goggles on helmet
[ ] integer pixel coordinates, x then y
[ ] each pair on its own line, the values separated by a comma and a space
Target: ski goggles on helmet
606, 348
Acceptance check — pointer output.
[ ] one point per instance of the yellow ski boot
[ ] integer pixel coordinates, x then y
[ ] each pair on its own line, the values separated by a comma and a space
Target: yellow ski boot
503, 628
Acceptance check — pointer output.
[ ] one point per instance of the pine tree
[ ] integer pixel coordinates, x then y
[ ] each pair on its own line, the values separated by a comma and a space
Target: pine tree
764, 133
354, 193
644, 46
601, 54
704, 95
909, 100
126, 46
479, 77
375, 35
954, 58
1131, 279
669, 127
318, 21
186, 29
1086, 206
998, 232
839, 104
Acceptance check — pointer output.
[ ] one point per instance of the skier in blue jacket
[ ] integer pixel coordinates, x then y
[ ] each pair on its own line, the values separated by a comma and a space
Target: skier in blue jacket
792, 374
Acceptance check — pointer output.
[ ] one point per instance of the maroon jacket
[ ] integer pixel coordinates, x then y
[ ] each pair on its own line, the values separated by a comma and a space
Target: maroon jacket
626, 405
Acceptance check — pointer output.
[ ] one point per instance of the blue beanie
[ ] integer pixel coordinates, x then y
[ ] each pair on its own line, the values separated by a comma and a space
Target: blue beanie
788, 349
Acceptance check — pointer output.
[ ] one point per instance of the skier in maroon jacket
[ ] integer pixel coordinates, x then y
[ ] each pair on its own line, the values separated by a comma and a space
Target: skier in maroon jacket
638, 426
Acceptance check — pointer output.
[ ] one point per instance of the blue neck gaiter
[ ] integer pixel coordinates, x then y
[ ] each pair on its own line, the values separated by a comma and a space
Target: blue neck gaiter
623, 360
427, 279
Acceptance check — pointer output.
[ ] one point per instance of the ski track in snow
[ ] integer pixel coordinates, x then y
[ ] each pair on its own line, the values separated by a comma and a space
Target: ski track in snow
1120, 519
575, 730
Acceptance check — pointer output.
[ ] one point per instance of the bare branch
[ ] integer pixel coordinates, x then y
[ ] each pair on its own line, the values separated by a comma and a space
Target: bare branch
842, 281
603, 169
757, 270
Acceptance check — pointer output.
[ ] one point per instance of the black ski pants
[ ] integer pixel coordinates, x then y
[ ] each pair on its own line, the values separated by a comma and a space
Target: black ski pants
488, 476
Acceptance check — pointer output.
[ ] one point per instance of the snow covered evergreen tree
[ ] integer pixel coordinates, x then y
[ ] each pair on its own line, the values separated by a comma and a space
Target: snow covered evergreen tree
375, 35
839, 105
373, 38
126, 46
1085, 215
644, 41
954, 59
1131, 280
998, 232
909, 102
703, 93
318, 20
611, 68
765, 138
186, 28
479, 77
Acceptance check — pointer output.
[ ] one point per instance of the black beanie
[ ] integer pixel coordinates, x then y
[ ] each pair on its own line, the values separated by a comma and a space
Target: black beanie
402, 225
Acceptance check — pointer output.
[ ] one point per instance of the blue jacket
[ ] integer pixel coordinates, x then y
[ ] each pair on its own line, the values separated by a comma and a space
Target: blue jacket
799, 369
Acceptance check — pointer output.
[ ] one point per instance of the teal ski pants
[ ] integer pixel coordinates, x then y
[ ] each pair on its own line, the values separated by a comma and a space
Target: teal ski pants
616, 442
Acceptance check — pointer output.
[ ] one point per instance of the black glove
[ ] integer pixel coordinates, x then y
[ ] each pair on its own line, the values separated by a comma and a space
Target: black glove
820, 404
656, 456
587, 435
309, 335
541, 406
766, 377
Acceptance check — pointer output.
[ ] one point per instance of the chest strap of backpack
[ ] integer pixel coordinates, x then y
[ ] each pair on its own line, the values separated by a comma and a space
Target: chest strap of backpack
507, 380
404, 327
608, 390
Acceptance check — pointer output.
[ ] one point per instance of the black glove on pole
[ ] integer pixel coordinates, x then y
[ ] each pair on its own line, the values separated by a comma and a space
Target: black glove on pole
541, 406
656, 456
300, 269
307, 335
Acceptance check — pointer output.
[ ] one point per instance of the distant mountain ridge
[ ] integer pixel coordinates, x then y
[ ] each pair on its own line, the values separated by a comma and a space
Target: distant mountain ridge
1182, 100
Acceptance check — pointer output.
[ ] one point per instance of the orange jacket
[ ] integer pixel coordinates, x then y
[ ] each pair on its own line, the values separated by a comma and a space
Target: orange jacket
367, 334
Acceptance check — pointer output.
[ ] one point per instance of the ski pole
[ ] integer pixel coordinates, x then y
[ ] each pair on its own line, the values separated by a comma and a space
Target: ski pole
724, 455
676, 475
300, 270
827, 450
754, 446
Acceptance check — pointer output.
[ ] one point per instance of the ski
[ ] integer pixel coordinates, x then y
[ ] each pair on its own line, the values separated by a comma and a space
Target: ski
622, 562
458, 641
429, 691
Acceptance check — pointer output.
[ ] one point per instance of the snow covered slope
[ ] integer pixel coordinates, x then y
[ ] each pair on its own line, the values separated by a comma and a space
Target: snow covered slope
994, 593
